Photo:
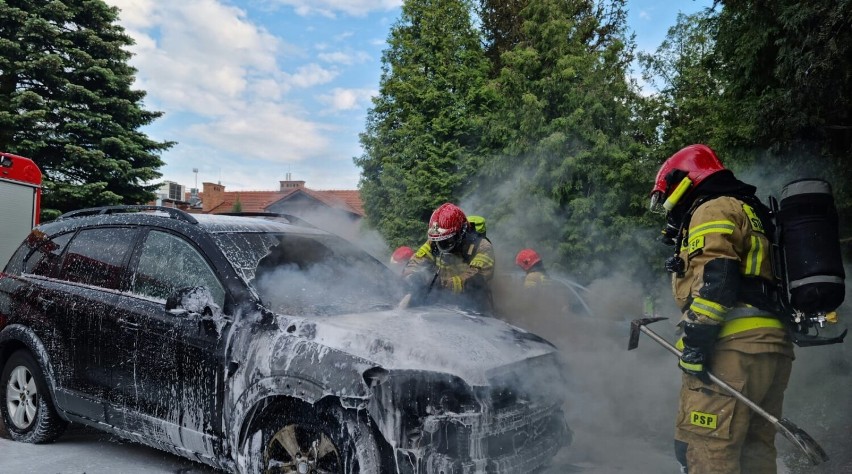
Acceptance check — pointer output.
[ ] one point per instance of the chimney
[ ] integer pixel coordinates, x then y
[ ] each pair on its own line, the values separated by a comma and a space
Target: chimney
289, 184
213, 195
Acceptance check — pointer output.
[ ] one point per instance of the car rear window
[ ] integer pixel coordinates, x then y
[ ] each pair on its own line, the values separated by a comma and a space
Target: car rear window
96, 256
43, 252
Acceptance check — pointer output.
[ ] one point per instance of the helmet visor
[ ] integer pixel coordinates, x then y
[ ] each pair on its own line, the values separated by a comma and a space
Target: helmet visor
657, 200
447, 245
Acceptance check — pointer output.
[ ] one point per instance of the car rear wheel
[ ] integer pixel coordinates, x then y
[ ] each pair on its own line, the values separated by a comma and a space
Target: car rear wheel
27, 409
327, 441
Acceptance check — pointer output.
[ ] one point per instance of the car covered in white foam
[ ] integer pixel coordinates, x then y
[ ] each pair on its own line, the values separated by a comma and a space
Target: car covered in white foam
262, 344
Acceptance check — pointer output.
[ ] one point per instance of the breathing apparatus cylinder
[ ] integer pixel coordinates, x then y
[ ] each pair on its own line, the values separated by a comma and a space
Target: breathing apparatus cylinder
810, 237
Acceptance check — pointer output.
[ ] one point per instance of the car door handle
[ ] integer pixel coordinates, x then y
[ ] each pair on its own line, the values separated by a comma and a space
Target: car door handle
44, 303
129, 323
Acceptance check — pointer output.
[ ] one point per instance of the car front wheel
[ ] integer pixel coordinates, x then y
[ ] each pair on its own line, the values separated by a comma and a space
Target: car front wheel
27, 409
326, 441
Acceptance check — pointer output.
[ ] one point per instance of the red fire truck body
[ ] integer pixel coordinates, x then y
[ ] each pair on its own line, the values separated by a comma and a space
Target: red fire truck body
20, 202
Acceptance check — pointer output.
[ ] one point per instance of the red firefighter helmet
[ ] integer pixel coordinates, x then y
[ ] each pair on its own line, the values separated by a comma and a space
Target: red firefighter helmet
684, 170
447, 226
526, 258
401, 255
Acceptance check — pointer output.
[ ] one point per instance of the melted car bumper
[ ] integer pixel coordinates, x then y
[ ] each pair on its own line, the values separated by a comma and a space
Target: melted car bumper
519, 439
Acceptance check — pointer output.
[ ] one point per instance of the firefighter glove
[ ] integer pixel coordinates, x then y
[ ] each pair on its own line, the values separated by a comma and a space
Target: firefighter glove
698, 340
453, 284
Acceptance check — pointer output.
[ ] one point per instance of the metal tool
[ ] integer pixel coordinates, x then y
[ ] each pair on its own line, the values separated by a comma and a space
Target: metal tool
796, 435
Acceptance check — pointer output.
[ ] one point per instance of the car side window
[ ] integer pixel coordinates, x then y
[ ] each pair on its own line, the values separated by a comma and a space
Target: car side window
96, 256
168, 263
42, 257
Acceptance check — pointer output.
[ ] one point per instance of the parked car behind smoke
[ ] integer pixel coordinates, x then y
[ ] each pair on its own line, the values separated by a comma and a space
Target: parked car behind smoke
261, 344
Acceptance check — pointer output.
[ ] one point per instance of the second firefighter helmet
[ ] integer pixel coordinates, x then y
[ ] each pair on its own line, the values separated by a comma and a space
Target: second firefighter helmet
401, 255
681, 173
447, 227
527, 258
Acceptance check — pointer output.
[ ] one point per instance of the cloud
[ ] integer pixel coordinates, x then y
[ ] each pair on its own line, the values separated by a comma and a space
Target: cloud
344, 58
238, 96
311, 75
330, 7
237, 170
644, 15
209, 64
348, 99
200, 56
135, 14
264, 133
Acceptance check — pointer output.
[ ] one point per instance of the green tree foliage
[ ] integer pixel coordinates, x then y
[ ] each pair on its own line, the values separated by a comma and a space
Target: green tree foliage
684, 73
766, 83
570, 173
66, 102
500, 27
422, 131
788, 76
558, 150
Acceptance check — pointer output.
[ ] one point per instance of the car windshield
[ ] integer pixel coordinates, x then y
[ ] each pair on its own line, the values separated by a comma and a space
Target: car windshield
311, 274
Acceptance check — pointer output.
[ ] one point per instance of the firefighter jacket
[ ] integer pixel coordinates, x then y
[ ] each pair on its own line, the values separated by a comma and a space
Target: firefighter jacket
535, 279
725, 250
469, 268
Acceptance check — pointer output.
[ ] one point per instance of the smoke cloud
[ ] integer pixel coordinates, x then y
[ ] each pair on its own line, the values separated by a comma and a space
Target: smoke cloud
622, 404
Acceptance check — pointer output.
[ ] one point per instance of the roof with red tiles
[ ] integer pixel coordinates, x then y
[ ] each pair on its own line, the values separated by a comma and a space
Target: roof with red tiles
351, 197
258, 201
251, 201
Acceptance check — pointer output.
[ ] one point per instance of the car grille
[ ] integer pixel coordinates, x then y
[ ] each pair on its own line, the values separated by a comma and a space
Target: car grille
519, 439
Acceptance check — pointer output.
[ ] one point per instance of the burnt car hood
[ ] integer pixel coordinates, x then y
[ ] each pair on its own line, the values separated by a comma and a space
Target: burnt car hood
469, 346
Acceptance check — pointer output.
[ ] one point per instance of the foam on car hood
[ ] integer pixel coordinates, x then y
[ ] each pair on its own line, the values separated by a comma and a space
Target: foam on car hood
435, 339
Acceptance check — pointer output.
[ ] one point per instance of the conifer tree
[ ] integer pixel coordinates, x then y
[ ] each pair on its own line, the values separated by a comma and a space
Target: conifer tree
423, 130
565, 137
66, 101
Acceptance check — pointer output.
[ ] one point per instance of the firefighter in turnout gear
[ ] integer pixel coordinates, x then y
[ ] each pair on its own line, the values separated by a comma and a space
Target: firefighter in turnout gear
530, 262
400, 257
455, 265
722, 280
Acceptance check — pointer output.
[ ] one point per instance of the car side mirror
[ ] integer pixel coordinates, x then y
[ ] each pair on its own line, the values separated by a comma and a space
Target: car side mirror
193, 300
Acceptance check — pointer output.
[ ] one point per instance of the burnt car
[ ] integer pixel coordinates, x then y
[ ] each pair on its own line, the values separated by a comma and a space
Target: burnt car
257, 344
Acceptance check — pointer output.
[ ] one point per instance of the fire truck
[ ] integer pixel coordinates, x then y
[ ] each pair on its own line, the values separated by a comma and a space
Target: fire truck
20, 202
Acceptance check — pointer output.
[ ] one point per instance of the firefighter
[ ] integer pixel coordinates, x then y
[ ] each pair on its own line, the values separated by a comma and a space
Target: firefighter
530, 262
455, 264
400, 257
722, 280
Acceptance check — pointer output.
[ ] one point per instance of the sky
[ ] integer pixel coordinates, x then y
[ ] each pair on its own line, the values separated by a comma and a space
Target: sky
255, 90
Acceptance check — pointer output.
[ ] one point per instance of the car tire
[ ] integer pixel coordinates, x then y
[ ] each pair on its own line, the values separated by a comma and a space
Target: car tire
27, 406
304, 439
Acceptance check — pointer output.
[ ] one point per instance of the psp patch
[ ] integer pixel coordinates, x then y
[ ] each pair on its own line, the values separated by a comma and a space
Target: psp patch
695, 246
753, 219
704, 420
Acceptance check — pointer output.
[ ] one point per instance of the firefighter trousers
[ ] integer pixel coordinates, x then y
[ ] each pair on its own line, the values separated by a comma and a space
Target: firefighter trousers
715, 432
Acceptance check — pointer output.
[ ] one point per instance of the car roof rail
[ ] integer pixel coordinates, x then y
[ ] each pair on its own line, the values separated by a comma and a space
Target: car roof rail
103, 210
290, 217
